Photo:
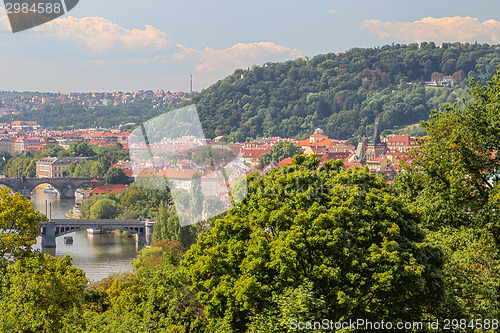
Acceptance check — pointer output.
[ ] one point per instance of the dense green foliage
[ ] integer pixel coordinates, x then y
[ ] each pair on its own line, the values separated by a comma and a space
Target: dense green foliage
143, 203
454, 178
19, 226
278, 152
341, 93
309, 242
39, 292
133, 203
453, 184
471, 271
21, 165
65, 116
339, 239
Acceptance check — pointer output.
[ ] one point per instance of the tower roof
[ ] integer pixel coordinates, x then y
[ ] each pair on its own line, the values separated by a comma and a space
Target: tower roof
376, 135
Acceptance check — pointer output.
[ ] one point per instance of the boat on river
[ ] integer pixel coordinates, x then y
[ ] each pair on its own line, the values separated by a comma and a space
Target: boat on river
68, 240
95, 231
50, 189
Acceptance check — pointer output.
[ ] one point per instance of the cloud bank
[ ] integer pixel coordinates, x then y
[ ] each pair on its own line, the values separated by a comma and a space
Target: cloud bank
445, 29
100, 34
126, 58
4, 20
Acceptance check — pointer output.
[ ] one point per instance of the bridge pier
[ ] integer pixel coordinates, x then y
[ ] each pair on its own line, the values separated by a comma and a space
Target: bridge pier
26, 193
49, 250
146, 234
67, 192
149, 225
48, 235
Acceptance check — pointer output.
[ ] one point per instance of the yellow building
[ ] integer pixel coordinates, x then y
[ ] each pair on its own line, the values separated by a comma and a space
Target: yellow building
52, 167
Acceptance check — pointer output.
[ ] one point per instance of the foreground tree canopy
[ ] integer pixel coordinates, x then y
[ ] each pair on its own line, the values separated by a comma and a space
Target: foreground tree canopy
454, 179
315, 241
19, 226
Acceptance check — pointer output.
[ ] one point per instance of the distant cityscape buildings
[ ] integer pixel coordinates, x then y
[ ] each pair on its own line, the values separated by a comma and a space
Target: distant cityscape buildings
381, 156
159, 100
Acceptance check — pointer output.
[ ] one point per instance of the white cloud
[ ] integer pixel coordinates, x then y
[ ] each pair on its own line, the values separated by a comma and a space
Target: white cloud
445, 29
150, 57
4, 20
100, 34
243, 55
334, 11
207, 65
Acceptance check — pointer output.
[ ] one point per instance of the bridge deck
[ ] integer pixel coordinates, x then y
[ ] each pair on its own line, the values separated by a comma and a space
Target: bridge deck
97, 222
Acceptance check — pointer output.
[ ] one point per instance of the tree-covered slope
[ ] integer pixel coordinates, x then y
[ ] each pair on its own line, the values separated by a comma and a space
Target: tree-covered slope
72, 115
342, 93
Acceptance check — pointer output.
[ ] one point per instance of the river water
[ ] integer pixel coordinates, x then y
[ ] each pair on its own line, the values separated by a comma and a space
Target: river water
97, 255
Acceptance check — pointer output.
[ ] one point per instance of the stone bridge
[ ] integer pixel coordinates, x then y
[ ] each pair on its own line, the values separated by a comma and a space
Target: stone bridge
65, 186
59, 227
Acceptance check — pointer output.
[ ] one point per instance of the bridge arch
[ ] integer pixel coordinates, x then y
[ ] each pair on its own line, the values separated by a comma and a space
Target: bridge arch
65, 186
32, 188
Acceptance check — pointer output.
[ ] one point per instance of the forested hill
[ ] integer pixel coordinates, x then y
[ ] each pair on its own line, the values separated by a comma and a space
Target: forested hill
344, 94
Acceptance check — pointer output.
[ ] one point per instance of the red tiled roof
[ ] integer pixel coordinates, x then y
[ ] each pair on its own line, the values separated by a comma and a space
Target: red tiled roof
305, 142
317, 135
402, 140
352, 165
107, 189
177, 173
254, 153
286, 161
128, 172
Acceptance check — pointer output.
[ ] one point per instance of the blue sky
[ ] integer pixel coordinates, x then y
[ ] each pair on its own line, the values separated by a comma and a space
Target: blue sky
132, 45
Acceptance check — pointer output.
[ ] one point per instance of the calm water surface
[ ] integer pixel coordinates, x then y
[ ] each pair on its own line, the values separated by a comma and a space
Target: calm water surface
97, 255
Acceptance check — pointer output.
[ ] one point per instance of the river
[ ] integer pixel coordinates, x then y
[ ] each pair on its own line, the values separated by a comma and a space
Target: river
97, 255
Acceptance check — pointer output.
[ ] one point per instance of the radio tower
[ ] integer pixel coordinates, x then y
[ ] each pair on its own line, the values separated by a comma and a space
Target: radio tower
191, 83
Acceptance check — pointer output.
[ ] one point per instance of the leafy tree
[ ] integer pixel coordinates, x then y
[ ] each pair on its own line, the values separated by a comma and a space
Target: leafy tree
81, 149
454, 178
340, 238
38, 292
143, 202
53, 150
86, 205
196, 198
164, 228
105, 209
19, 226
167, 227
115, 176
4, 158
471, 271
278, 152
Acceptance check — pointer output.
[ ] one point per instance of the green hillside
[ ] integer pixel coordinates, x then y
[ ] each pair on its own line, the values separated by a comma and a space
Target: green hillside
342, 93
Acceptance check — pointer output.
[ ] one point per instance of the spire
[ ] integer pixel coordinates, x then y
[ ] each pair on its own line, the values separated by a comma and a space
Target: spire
376, 135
